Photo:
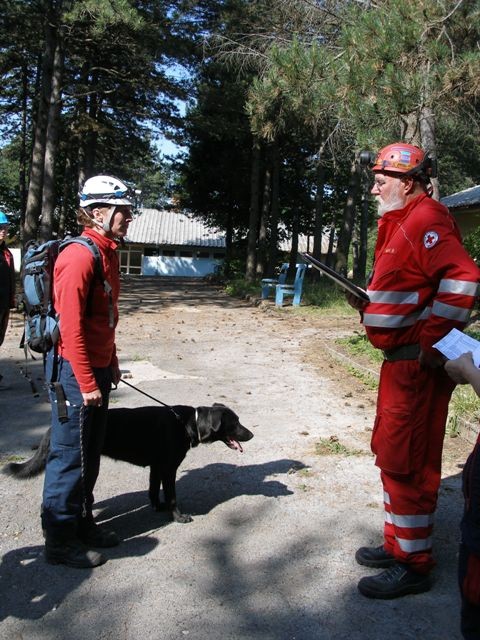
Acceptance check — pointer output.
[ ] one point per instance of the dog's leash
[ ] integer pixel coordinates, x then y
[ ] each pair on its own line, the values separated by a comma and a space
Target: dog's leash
152, 398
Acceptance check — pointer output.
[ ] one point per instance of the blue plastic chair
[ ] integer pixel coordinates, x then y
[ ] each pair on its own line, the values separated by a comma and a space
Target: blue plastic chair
294, 289
269, 284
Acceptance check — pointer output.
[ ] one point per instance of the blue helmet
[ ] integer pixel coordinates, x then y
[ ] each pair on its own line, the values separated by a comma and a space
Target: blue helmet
3, 218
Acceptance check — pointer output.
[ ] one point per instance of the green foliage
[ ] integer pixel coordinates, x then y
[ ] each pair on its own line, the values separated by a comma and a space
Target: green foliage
240, 288
333, 447
326, 296
214, 179
472, 244
464, 403
359, 345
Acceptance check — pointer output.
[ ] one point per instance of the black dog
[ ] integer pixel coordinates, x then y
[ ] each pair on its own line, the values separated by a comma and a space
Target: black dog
155, 437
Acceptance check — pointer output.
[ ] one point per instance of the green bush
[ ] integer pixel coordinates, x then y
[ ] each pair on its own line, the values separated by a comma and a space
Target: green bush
325, 295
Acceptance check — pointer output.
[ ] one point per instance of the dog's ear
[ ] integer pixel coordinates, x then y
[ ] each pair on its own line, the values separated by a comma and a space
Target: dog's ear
191, 429
209, 421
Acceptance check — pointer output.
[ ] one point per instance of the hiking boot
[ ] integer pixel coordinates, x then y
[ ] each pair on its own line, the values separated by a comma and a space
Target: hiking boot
72, 553
94, 536
395, 582
375, 557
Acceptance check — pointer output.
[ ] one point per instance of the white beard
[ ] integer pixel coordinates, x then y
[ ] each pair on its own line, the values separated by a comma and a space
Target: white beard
390, 205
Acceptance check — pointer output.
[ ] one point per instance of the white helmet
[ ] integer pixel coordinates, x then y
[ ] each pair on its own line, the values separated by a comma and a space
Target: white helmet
105, 190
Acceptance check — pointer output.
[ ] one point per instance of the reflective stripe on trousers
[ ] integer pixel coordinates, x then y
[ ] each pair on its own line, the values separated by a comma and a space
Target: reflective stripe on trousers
407, 441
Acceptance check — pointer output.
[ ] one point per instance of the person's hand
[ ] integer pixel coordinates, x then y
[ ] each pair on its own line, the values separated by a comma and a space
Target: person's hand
457, 369
471, 582
116, 374
431, 359
355, 302
93, 398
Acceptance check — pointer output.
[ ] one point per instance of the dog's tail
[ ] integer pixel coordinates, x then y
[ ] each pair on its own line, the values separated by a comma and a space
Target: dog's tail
34, 465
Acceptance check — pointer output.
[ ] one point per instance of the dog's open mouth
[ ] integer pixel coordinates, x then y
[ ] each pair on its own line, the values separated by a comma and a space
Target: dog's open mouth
233, 444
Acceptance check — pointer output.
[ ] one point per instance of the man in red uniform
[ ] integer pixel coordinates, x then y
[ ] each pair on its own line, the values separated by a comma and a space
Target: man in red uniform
423, 284
80, 370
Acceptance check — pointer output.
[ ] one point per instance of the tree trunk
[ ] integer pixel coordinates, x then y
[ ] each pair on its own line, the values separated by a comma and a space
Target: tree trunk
51, 145
254, 206
274, 213
346, 230
22, 178
67, 177
329, 260
318, 222
264, 219
35, 187
318, 227
228, 241
360, 268
294, 252
429, 142
409, 129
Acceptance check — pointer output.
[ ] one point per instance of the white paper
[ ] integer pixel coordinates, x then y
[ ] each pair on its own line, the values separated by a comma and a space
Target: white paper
455, 343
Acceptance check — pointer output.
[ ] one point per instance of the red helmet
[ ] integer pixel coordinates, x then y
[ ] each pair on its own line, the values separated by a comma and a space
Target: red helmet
400, 158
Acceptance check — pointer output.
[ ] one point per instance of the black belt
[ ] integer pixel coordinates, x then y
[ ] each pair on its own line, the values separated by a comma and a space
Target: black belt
405, 352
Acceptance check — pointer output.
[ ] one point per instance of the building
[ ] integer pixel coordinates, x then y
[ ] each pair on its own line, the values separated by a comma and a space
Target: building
167, 243
465, 206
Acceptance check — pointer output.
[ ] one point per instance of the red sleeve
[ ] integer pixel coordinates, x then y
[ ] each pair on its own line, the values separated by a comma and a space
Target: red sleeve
74, 271
448, 263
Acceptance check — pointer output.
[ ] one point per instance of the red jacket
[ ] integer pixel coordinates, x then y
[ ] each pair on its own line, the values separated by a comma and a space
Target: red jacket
86, 339
423, 283
8, 257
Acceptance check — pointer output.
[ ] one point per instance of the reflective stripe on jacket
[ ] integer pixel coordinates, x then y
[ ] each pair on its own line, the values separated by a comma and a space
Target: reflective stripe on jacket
423, 283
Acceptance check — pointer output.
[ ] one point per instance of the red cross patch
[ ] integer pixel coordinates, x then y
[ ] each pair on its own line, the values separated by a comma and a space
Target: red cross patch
430, 239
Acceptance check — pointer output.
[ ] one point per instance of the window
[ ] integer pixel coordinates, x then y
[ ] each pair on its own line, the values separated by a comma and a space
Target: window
152, 251
130, 261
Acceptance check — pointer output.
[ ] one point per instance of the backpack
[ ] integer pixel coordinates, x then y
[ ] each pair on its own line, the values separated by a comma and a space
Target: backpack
42, 325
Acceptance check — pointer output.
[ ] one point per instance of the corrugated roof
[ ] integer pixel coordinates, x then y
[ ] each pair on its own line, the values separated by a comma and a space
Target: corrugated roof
152, 226
466, 198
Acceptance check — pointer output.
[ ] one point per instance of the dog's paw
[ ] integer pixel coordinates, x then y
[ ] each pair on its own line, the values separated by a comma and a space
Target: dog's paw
181, 517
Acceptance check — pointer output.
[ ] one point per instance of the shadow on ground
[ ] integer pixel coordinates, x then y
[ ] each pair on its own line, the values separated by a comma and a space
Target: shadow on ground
148, 293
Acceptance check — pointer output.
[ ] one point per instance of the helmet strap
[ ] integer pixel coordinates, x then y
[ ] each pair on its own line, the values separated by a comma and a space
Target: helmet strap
107, 223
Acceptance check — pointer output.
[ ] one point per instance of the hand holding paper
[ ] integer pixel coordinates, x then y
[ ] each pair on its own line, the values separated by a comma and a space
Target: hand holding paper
456, 343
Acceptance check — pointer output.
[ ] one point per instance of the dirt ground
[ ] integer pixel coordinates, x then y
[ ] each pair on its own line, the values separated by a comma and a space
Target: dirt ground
269, 553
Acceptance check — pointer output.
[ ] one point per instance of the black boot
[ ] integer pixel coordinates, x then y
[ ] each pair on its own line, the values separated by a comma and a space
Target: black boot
395, 582
94, 536
375, 557
70, 551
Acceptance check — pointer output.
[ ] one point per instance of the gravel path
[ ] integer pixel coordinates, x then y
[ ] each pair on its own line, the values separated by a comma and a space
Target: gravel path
269, 554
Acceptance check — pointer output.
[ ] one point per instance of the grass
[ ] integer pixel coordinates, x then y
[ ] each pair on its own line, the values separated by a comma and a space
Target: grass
465, 404
317, 297
239, 288
326, 296
366, 378
358, 345
333, 447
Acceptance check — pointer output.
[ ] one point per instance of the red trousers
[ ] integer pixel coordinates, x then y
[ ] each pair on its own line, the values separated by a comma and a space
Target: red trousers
407, 440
